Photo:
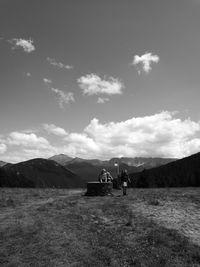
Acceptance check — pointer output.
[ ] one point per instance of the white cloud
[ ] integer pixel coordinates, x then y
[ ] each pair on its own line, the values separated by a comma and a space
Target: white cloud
145, 60
27, 140
23, 146
159, 135
28, 74
63, 98
53, 129
47, 81
102, 100
27, 153
3, 148
27, 45
92, 84
59, 64
80, 145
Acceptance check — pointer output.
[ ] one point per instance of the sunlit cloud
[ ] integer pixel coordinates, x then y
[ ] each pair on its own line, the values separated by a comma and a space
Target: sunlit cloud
63, 97
145, 61
27, 140
55, 130
92, 84
158, 135
26, 45
23, 146
59, 64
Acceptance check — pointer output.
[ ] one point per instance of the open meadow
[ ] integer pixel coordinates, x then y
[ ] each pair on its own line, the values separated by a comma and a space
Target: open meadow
60, 227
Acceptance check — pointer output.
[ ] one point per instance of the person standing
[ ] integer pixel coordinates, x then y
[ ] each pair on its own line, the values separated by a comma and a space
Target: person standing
124, 181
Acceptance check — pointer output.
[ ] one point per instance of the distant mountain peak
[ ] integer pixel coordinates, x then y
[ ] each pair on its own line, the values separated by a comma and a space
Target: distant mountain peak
61, 158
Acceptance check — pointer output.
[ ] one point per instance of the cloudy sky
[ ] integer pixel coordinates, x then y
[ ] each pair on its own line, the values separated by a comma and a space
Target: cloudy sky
98, 79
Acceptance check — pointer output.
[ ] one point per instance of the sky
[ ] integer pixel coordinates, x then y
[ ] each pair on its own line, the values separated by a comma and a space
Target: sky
99, 79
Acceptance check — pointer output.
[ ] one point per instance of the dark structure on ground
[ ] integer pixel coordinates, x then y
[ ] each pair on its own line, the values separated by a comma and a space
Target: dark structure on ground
99, 189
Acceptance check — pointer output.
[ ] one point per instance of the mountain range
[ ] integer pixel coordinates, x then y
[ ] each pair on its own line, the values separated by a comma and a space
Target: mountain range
89, 169
142, 162
67, 172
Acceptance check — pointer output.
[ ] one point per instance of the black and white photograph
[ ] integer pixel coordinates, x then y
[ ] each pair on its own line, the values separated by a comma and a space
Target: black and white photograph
100, 133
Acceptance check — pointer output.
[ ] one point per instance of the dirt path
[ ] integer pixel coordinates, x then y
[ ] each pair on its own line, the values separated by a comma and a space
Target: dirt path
174, 215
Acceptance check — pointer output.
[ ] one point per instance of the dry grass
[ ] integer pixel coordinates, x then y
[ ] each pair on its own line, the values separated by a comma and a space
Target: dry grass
55, 227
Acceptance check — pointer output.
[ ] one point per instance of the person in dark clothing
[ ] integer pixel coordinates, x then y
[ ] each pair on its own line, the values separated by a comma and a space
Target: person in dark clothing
124, 181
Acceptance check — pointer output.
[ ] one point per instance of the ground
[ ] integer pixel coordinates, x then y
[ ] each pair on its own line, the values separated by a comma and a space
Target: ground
60, 227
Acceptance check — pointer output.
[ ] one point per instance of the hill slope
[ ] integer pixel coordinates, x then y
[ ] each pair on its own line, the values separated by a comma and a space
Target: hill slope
2, 163
183, 172
40, 173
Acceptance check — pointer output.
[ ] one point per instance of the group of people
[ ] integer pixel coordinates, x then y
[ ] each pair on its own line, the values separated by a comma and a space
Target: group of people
105, 177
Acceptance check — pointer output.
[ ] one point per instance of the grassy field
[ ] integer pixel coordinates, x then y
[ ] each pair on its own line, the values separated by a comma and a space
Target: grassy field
55, 227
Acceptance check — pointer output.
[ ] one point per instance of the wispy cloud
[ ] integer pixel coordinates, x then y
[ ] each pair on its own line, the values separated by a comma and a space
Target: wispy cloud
145, 61
27, 45
63, 97
28, 74
92, 84
102, 100
53, 129
59, 65
47, 81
